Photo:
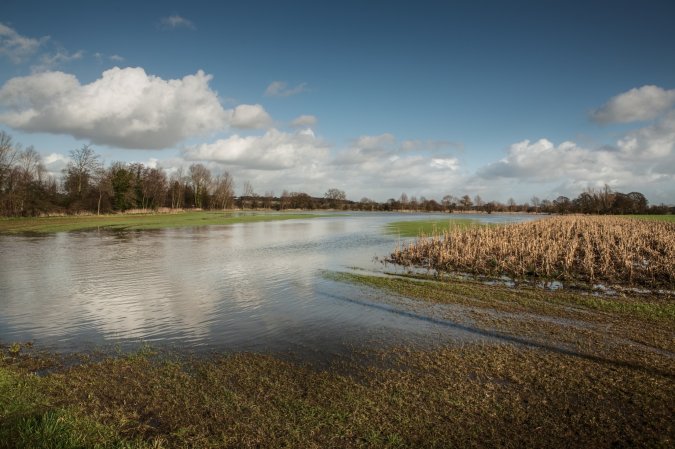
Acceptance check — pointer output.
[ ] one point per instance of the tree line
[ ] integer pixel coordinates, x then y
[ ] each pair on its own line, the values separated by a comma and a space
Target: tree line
86, 185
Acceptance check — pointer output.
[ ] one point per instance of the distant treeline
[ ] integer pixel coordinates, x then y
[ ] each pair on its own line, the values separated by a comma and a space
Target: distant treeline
87, 186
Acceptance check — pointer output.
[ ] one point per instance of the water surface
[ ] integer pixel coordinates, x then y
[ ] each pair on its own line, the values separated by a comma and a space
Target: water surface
252, 287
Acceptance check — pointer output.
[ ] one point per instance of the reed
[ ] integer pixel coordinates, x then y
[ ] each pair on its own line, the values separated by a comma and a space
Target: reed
609, 250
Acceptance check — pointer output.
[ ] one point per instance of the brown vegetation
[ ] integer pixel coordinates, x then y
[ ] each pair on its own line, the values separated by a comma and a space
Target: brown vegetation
610, 250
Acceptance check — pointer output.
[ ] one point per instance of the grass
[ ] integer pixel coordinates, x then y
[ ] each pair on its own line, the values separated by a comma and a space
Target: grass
475, 395
609, 250
137, 221
415, 228
668, 218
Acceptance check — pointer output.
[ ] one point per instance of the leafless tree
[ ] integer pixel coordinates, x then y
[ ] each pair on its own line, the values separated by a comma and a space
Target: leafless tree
83, 164
223, 191
200, 176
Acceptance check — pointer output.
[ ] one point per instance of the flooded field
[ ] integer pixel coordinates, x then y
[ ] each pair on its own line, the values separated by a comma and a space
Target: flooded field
244, 287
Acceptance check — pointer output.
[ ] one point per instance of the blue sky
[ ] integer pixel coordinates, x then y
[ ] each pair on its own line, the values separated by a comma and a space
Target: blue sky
375, 98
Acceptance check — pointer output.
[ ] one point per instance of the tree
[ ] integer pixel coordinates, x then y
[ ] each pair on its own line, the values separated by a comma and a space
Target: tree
7, 157
80, 169
562, 204
536, 202
177, 184
223, 191
465, 202
403, 201
478, 201
335, 197
121, 179
512, 204
200, 177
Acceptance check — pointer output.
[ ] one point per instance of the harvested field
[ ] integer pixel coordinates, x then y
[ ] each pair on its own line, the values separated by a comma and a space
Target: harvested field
608, 250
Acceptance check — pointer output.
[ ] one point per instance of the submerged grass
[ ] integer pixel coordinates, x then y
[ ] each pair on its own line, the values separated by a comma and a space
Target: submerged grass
415, 228
524, 299
609, 250
137, 221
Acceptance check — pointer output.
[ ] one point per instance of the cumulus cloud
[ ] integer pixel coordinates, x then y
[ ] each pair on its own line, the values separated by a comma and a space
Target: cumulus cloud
17, 47
638, 104
176, 21
304, 121
124, 108
275, 150
642, 159
652, 142
281, 89
250, 116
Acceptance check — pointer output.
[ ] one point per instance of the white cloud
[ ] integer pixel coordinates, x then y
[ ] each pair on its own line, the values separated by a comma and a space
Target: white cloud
281, 89
17, 47
176, 21
652, 142
125, 107
643, 160
275, 150
54, 163
116, 58
250, 116
50, 61
638, 104
304, 121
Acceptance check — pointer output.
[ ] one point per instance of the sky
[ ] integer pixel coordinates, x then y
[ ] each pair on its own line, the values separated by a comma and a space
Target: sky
376, 98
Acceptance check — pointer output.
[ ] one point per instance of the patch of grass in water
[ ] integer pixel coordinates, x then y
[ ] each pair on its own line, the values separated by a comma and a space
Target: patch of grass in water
415, 228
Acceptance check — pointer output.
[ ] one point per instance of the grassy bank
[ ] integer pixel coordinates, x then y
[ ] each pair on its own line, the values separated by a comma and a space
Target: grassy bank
415, 228
137, 221
553, 370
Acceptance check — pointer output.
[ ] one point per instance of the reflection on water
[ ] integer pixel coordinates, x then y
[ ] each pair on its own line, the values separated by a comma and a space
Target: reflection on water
255, 286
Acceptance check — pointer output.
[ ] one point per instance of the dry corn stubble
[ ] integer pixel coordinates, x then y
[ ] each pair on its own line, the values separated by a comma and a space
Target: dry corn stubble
600, 249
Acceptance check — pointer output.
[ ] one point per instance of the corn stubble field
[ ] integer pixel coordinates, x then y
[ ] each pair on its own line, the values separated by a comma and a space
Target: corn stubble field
593, 250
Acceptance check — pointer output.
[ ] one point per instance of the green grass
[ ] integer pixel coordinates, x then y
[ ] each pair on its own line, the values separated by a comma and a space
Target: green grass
137, 221
427, 227
669, 218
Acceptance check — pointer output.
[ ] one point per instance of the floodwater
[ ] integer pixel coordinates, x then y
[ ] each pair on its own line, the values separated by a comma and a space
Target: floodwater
243, 287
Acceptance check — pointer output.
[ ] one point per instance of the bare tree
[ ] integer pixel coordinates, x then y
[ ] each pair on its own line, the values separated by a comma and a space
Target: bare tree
335, 197
223, 191
7, 157
177, 188
83, 164
200, 177
466, 202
